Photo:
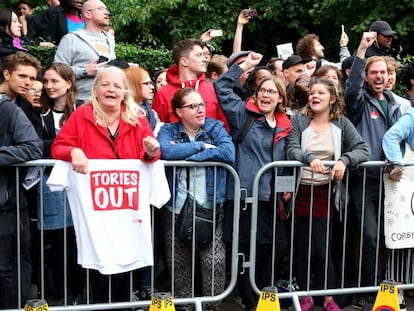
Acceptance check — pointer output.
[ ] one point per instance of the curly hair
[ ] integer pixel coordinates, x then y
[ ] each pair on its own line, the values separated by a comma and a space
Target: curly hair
306, 47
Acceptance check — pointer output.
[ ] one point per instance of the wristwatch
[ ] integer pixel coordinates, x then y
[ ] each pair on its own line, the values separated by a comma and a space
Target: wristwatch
85, 72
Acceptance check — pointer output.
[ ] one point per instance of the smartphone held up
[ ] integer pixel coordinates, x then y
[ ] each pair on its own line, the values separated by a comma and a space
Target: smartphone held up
250, 13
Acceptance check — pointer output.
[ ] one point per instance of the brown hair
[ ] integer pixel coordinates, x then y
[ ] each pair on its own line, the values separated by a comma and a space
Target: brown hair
280, 107
324, 70
11, 61
306, 47
178, 99
336, 110
67, 74
184, 47
374, 59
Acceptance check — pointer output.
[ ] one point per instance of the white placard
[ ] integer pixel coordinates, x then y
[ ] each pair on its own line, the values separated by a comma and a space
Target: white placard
284, 50
399, 208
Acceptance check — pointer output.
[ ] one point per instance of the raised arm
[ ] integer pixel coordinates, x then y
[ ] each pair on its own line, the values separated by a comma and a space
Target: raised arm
238, 34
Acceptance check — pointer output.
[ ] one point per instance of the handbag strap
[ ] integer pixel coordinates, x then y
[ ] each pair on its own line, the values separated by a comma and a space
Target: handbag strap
187, 178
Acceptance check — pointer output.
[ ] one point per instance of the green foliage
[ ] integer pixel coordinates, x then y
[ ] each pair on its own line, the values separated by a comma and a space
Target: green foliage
150, 59
154, 23
160, 24
43, 53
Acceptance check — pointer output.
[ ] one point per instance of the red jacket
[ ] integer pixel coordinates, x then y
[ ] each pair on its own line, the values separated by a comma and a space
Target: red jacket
81, 131
162, 100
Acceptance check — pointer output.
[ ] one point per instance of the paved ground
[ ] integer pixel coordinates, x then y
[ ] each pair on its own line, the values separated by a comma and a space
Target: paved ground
229, 305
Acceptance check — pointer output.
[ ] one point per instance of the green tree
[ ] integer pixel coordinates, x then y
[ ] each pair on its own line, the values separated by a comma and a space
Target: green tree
161, 23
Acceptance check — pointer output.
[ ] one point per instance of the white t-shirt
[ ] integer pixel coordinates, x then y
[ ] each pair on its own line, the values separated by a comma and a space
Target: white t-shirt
110, 207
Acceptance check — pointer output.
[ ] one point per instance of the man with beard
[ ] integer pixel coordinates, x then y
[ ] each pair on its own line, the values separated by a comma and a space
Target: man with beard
373, 110
383, 41
309, 47
87, 50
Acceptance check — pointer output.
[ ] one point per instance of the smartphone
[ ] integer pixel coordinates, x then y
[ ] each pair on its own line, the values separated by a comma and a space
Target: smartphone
216, 33
102, 59
250, 13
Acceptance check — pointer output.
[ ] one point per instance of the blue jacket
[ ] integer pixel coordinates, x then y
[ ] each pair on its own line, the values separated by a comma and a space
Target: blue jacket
365, 112
395, 138
176, 145
261, 145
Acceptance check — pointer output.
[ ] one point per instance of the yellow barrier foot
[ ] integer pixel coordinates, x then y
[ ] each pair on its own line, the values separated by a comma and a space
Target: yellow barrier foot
387, 297
162, 302
36, 305
269, 300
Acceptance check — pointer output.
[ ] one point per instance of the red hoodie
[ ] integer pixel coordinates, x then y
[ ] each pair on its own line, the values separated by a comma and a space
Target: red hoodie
162, 100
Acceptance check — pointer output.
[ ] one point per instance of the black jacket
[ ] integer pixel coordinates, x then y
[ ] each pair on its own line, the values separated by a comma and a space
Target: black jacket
18, 143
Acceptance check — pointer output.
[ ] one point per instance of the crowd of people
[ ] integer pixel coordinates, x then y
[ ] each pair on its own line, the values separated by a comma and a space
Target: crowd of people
241, 110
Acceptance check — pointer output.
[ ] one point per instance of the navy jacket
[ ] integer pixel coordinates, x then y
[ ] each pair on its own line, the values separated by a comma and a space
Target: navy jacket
261, 145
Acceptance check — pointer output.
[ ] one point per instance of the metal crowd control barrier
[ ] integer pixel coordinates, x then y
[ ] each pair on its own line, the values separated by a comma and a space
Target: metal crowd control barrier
44, 291
395, 258
281, 184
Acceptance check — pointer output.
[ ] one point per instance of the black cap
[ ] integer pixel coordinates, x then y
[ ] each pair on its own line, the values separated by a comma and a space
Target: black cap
233, 57
293, 60
382, 27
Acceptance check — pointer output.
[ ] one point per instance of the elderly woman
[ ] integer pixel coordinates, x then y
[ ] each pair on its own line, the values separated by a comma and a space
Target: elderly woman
196, 138
110, 125
259, 128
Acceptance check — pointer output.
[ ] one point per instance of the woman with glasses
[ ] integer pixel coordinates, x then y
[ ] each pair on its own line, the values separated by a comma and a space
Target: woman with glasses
259, 128
33, 94
143, 90
195, 138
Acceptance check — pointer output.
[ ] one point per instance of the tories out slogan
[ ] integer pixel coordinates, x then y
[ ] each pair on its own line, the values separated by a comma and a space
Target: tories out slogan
114, 190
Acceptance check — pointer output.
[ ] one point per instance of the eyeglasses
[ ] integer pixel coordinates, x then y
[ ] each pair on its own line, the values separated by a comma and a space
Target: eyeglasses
101, 8
195, 106
33, 92
269, 91
148, 83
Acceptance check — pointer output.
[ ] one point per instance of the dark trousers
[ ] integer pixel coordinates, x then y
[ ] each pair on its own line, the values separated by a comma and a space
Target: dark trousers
75, 274
118, 283
263, 269
369, 226
319, 254
9, 259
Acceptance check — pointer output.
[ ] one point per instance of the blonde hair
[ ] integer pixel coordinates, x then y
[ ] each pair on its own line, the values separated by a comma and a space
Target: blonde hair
132, 111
